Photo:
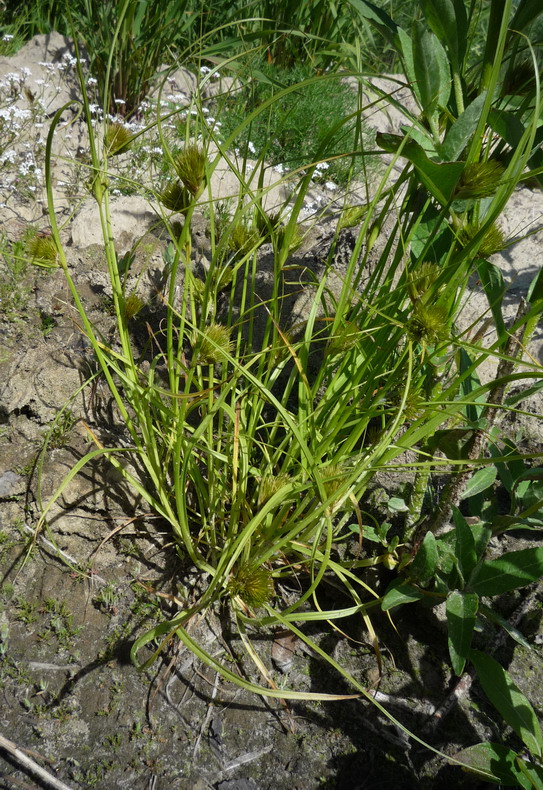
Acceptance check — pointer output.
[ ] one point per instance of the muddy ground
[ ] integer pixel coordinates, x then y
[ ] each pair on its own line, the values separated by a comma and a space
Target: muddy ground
72, 603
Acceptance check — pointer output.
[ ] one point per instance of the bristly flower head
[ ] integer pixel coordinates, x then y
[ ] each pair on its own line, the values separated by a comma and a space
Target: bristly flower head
213, 345
428, 323
132, 305
42, 250
253, 585
421, 280
190, 165
493, 240
175, 197
118, 139
479, 180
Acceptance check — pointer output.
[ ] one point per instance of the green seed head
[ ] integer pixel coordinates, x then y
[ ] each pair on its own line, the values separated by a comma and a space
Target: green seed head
190, 166
421, 280
243, 239
333, 476
352, 216
428, 323
270, 485
42, 250
118, 139
479, 180
175, 197
253, 585
214, 345
132, 305
493, 241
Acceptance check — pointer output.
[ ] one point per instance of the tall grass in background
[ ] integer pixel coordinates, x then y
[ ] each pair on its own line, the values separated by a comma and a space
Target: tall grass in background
256, 440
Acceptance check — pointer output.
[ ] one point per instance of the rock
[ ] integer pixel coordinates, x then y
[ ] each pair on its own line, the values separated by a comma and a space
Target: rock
11, 484
131, 218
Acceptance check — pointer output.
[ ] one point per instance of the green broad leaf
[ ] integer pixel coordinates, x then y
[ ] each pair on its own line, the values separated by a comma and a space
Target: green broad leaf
424, 565
494, 762
399, 593
509, 701
480, 481
432, 71
461, 610
466, 555
439, 178
397, 505
405, 45
494, 288
461, 131
513, 570
448, 20
377, 16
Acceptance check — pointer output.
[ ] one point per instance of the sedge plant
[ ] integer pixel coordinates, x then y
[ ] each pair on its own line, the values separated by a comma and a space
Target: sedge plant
256, 438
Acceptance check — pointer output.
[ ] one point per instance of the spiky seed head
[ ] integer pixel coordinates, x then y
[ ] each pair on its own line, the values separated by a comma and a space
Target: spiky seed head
270, 485
266, 224
428, 323
344, 339
479, 180
243, 239
42, 250
175, 197
213, 345
190, 165
333, 476
352, 216
421, 280
493, 240
253, 585
132, 305
118, 139
296, 239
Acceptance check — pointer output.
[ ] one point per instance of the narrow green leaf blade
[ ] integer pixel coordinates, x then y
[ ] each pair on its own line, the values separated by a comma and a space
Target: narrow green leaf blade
509, 700
461, 611
515, 569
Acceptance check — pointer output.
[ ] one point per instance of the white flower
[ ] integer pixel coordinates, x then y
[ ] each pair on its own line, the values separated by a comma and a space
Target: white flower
39, 82
251, 147
7, 37
92, 81
322, 166
26, 72
205, 70
331, 186
280, 169
9, 156
119, 102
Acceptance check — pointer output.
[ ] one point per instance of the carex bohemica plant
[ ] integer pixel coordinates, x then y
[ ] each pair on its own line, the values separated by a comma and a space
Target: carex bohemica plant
260, 438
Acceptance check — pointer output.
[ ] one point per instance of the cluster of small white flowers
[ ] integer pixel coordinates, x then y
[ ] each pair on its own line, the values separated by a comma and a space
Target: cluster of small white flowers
91, 82
8, 156
322, 166
331, 185
7, 37
251, 147
280, 169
